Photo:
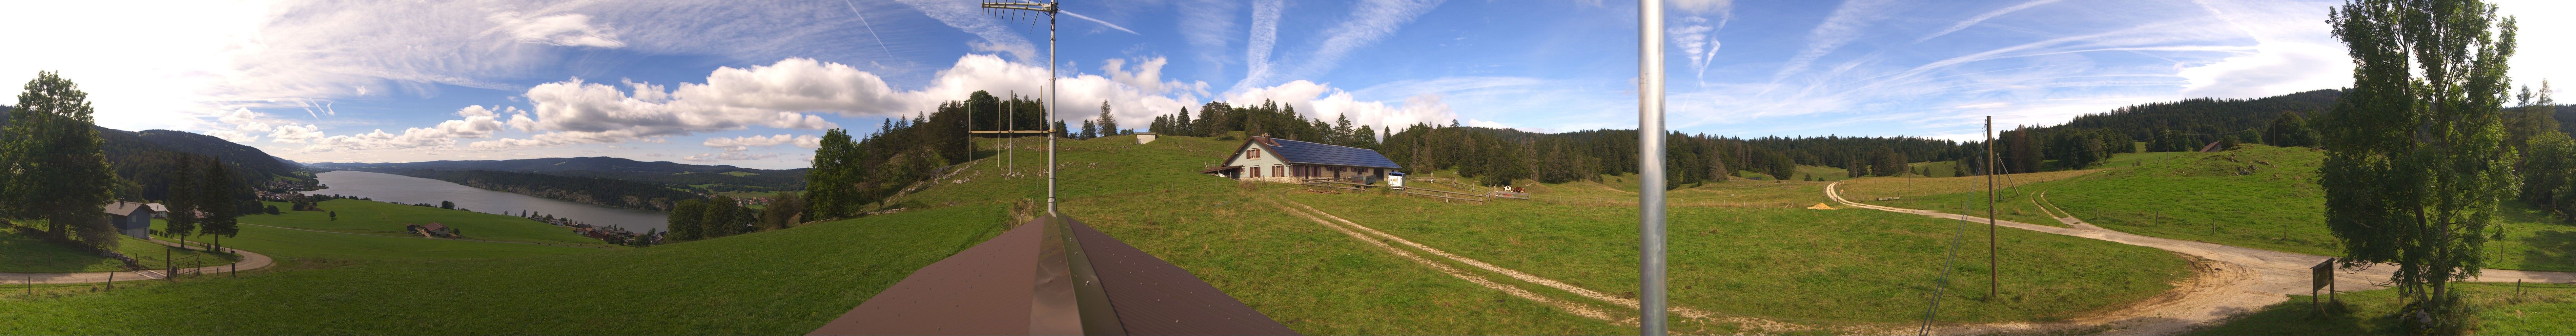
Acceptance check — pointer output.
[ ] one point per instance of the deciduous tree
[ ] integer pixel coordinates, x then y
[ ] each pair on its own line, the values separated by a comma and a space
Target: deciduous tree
2416, 147
51, 166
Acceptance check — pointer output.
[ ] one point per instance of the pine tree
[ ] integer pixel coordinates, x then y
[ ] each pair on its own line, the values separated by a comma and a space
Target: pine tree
1108, 123
1089, 130
1181, 123
220, 199
184, 189
2425, 152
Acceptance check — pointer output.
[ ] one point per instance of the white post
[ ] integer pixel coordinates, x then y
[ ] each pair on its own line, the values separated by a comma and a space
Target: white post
1051, 9
1650, 167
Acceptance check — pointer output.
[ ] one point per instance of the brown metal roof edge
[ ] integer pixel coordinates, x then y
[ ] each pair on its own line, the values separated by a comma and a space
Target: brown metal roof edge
998, 287
1153, 297
984, 290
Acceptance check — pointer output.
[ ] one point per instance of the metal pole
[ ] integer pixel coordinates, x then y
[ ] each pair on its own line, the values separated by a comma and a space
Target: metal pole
1010, 117
1050, 111
1650, 167
1993, 284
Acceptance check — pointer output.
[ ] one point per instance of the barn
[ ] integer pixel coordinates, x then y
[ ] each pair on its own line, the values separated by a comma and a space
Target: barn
1267, 159
132, 219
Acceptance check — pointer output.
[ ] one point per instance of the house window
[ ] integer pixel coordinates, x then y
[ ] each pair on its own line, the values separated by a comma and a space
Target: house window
1252, 154
1256, 171
1277, 171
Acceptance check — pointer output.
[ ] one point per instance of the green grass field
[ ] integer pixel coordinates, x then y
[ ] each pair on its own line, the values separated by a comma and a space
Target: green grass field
1823, 267
777, 282
334, 247
1310, 278
1742, 248
1230, 236
369, 231
25, 254
387, 219
1962, 195
2542, 309
2257, 196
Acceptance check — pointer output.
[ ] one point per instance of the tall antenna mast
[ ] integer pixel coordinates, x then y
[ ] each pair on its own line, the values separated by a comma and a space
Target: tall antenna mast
1650, 167
1050, 8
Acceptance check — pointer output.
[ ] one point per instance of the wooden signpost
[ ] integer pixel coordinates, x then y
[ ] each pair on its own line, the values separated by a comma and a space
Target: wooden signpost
2320, 276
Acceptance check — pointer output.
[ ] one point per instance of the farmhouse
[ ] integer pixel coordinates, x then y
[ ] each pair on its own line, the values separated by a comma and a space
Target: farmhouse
436, 229
1267, 159
132, 219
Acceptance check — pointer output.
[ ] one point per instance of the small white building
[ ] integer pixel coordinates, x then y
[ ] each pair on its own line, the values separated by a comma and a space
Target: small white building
1267, 159
1144, 138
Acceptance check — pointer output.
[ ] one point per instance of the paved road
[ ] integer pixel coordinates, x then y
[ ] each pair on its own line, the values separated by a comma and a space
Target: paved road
2252, 278
250, 261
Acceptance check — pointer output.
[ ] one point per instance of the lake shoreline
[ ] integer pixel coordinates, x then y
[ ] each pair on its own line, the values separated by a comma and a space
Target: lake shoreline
400, 189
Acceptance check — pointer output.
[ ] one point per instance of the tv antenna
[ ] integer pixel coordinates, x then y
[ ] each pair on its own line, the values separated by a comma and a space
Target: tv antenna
1050, 9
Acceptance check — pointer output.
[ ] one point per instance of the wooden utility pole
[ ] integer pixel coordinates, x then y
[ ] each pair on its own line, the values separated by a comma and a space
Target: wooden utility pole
1993, 276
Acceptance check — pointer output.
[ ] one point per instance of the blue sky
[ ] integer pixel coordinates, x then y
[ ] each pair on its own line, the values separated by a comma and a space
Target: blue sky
752, 83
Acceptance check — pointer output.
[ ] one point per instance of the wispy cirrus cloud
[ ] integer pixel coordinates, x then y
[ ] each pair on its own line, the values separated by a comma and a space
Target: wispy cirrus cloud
1369, 23
1847, 23
2148, 52
967, 16
1264, 36
1981, 18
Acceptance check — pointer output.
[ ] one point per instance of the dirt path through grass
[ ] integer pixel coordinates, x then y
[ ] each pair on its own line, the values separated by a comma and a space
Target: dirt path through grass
1380, 239
249, 261
2235, 280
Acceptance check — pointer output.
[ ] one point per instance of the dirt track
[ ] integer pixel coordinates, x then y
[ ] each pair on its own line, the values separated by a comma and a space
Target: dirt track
2232, 280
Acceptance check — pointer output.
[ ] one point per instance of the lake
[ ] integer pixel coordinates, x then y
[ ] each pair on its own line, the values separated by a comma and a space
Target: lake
409, 190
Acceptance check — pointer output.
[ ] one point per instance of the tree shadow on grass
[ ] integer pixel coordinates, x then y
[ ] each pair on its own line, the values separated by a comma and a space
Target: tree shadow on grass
2552, 248
2299, 317
32, 255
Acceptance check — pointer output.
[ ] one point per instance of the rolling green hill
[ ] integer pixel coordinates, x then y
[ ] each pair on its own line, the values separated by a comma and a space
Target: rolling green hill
2256, 196
1306, 275
779, 282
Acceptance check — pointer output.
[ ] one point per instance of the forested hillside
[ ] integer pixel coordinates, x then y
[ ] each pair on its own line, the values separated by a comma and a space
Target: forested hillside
144, 161
601, 191
252, 160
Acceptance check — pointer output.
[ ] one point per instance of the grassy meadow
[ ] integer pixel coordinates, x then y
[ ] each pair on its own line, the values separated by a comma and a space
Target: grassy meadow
387, 219
20, 253
1818, 267
1308, 277
1962, 195
2256, 196
777, 282
1742, 248
2541, 309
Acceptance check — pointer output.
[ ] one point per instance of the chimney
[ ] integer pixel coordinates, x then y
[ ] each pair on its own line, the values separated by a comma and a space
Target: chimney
1264, 138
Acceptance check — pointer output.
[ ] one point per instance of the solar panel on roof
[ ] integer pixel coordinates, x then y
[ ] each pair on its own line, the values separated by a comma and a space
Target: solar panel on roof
1314, 153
